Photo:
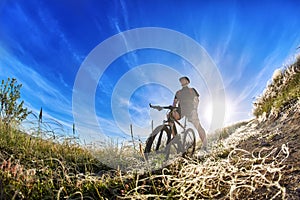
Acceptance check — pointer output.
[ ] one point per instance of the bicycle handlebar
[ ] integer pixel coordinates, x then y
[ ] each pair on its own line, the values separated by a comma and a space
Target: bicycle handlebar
162, 107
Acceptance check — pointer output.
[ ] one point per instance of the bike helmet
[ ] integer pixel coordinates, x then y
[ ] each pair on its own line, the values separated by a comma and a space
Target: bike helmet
184, 77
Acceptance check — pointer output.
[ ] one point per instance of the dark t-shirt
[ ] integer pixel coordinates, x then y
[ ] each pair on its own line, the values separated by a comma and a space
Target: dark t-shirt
186, 96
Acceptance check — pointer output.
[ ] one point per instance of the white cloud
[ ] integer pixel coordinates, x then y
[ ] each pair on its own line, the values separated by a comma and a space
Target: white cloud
37, 91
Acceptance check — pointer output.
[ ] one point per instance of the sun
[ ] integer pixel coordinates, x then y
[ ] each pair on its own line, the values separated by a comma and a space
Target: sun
230, 109
207, 112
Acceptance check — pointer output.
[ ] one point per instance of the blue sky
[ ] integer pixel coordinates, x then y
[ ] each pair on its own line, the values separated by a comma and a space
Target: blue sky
44, 43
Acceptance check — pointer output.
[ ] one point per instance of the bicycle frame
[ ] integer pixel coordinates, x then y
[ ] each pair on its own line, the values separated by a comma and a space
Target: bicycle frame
172, 125
173, 138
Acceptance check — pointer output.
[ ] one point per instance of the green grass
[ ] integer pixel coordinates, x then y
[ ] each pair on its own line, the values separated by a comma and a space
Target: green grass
33, 168
284, 93
225, 132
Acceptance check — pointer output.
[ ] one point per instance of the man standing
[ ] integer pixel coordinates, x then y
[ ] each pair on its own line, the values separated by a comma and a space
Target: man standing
187, 99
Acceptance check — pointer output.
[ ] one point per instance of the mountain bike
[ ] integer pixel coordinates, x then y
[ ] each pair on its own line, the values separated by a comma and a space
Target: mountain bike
165, 139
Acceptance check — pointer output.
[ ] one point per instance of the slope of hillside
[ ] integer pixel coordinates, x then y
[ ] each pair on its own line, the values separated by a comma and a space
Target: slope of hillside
35, 168
280, 124
273, 143
275, 132
258, 159
281, 92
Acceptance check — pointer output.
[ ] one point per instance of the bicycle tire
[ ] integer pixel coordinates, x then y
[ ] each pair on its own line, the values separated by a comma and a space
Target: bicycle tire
158, 132
189, 142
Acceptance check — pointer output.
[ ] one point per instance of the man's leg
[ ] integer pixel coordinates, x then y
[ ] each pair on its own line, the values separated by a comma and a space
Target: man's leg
195, 121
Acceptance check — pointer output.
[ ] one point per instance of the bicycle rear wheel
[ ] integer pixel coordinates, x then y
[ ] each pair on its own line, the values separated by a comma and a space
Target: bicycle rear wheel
158, 141
189, 142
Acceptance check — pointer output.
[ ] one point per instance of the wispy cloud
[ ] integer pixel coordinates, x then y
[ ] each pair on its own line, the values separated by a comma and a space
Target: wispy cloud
41, 53
52, 26
43, 85
36, 90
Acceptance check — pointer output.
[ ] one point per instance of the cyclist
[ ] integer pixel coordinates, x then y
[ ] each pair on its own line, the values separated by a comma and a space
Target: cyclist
187, 99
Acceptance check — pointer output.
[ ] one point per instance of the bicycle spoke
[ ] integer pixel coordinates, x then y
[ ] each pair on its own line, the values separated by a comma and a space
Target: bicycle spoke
189, 142
157, 143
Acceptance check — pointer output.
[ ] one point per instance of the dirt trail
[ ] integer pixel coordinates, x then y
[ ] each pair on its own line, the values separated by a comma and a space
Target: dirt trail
273, 132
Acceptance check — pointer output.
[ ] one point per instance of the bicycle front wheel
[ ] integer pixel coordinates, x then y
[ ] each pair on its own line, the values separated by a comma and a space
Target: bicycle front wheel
157, 143
189, 142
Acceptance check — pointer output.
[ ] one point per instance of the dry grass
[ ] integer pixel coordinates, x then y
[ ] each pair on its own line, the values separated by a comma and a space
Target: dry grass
32, 168
46, 165
239, 176
284, 88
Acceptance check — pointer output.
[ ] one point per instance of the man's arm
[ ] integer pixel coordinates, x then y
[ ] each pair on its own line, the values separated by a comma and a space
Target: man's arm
196, 102
196, 99
175, 101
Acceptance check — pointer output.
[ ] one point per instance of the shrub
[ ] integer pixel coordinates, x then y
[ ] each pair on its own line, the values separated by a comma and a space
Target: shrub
11, 110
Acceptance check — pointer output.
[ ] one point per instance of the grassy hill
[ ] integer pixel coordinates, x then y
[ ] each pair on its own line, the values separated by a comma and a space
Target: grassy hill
284, 89
34, 168
258, 159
